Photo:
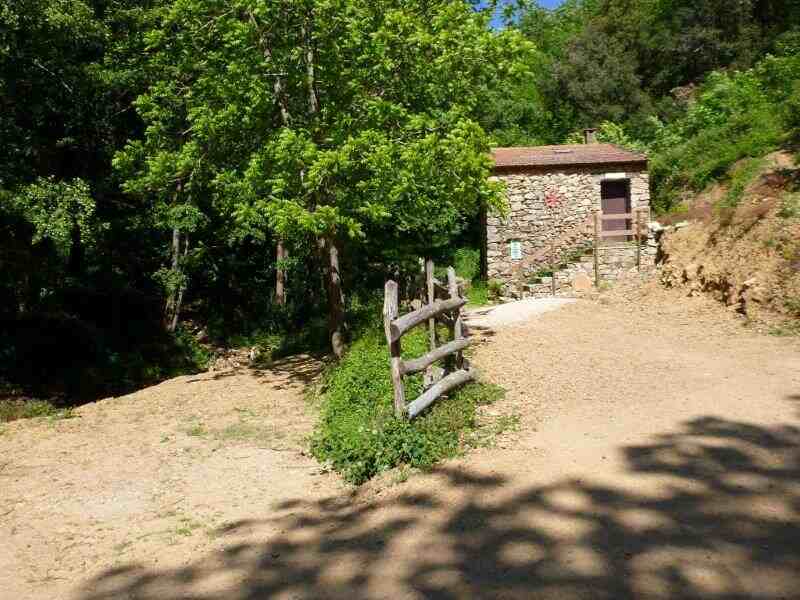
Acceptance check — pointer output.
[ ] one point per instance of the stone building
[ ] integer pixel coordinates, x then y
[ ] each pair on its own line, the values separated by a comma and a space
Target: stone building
553, 194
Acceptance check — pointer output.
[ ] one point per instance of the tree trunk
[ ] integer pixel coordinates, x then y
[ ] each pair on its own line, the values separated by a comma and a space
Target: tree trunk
279, 90
336, 320
280, 275
484, 253
313, 99
172, 306
328, 250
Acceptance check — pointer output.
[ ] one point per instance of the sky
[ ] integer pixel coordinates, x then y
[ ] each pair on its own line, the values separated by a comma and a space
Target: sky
497, 22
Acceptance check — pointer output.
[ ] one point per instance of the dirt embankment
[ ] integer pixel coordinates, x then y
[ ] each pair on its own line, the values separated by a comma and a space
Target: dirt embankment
747, 256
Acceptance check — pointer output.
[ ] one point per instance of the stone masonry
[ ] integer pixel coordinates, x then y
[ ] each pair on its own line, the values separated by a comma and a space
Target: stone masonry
551, 215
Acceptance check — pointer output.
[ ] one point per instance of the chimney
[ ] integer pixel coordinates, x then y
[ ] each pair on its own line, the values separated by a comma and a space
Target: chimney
590, 136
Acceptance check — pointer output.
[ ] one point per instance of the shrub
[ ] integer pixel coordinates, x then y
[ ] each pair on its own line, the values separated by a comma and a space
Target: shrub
736, 115
495, 288
741, 177
13, 409
358, 433
467, 263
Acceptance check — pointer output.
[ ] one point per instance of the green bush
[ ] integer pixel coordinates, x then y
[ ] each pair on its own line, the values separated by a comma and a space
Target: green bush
467, 263
707, 156
358, 433
736, 115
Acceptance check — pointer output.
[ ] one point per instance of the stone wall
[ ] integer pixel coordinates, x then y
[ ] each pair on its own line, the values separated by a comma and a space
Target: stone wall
538, 228
577, 277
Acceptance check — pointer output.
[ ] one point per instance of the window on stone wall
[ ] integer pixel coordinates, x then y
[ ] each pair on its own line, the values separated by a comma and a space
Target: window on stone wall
515, 247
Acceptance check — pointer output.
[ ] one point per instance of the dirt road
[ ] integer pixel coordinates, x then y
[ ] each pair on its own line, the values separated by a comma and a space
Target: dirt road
657, 456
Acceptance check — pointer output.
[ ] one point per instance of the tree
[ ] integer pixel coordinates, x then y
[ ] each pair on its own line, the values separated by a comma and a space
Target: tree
599, 77
331, 120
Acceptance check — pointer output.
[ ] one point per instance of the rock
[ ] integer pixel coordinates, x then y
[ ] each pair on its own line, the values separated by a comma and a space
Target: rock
582, 283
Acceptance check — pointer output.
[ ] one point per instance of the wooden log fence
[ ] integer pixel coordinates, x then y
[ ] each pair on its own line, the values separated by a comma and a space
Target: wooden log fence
448, 311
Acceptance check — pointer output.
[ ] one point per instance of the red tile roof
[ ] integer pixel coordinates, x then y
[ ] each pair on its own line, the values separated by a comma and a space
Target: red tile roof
565, 155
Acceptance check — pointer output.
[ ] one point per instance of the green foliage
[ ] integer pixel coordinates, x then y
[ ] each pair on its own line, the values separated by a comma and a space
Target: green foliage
195, 355
611, 133
628, 62
13, 409
128, 126
793, 115
741, 177
145, 147
467, 263
495, 287
59, 211
478, 293
735, 116
358, 433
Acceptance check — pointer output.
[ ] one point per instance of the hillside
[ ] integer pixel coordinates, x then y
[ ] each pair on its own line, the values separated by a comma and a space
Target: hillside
742, 247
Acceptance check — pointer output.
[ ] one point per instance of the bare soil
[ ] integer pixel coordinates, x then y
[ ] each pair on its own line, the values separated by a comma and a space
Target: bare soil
747, 257
657, 455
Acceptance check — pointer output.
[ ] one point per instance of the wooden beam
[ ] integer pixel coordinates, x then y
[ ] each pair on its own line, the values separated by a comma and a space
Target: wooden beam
617, 217
442, 387
616, 233
638, 241
423, 362
397, 328
596, 249
430, 299
458, 333
390, 309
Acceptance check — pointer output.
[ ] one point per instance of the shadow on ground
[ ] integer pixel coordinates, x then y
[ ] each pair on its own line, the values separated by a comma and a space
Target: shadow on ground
298, 369
711, 511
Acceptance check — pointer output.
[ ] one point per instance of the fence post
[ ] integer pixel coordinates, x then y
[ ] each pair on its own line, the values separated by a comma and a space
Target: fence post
429, 372
458, 327
391, 309
638, 240
596, 249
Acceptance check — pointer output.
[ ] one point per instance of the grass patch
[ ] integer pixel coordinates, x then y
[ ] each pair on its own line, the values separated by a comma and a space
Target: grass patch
788, 329
63, 413
246, 432
741, 177
485, 436
467, 264
13, 409
358, 434
478, 293
197, 430
790, 207
187, 526
793, 306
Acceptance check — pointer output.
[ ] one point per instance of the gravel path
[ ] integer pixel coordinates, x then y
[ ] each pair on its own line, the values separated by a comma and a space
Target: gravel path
512, 313
656, 456
151, 478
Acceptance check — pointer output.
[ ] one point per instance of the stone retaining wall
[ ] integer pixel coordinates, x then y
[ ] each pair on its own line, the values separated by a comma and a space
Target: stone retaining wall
537, 228
613, 261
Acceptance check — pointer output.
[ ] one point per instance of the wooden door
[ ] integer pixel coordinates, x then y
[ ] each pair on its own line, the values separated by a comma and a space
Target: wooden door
615, 199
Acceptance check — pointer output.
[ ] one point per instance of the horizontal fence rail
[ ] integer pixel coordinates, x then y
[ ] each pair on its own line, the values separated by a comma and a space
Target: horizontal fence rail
638, 217
448, 311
